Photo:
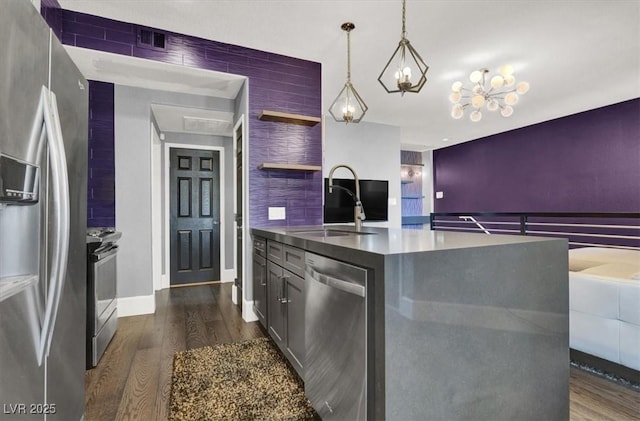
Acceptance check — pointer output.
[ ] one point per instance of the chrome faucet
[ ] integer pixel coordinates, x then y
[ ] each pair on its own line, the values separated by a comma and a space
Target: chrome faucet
358, 211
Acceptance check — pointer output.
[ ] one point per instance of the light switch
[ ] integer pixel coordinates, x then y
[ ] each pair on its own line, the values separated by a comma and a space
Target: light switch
276, 214
393, 201
439, 194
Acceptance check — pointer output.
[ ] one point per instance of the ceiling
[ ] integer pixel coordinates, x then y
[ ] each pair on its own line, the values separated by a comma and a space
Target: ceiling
576, 55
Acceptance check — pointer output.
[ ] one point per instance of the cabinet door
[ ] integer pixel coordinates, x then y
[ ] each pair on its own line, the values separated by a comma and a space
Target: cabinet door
275, 305
260, 288
295, 349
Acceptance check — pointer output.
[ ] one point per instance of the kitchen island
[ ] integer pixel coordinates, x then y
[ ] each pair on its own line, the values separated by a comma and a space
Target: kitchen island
458, 325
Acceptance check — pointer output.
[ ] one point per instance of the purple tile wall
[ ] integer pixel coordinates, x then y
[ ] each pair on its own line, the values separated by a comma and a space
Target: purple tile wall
587, 162
52, 14
276, 83
101, 193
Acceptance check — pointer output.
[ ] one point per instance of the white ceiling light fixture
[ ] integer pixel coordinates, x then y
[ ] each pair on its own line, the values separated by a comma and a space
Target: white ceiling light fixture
405, 71
348, 106
502, 92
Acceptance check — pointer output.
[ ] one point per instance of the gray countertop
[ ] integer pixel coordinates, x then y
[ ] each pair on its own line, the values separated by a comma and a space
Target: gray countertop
386, 241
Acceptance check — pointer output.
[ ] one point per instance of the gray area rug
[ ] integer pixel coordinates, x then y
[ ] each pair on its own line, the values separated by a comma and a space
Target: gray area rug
239, 381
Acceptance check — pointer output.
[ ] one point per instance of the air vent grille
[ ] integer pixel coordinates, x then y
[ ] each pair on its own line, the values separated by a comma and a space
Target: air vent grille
206, 125
148, 38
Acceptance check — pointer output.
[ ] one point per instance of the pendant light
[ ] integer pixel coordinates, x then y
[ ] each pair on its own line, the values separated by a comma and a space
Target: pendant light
405, 71
348, 106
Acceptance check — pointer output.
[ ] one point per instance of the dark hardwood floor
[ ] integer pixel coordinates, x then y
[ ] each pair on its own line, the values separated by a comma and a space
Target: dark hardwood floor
133, 379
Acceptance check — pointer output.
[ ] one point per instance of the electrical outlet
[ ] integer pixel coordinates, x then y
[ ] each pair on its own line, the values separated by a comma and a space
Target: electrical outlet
277, 214
439, 194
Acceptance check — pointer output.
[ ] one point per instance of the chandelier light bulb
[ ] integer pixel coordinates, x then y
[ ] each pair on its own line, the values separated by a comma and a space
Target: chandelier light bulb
475, 116
455, 97
403, 77
457, 112
477, 101
509, 80
477, 89
506, 70
492, 105
497, 82
511, 98
457, 86
475, 76
522, 88
506, 111
348, 108
347, 112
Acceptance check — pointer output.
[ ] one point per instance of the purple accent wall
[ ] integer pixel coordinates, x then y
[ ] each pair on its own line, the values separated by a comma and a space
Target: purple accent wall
52, 14
101, 193
586, 162
276, 82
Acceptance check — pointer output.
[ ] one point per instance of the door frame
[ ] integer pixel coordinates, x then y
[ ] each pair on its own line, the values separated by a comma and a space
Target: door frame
166, 280
247, 305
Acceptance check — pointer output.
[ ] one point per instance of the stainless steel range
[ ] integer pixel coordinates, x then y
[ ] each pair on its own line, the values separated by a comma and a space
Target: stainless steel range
102, 312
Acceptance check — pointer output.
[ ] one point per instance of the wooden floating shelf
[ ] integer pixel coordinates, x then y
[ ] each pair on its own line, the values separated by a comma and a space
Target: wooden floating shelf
291, 167
303, 120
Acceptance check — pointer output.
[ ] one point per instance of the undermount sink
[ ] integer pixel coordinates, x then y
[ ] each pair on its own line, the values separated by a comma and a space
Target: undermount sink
325, 232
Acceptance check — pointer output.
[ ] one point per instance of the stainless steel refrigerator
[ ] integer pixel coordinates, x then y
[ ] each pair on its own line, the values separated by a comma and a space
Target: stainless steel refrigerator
43, 184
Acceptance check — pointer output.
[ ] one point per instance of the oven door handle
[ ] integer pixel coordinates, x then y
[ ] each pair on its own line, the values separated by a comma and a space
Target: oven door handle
99, 255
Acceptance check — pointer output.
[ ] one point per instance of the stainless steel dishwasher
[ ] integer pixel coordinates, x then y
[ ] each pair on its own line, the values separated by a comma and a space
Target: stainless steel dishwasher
335, 335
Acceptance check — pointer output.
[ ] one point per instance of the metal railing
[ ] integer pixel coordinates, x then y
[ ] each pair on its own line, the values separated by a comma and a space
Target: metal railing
602, 229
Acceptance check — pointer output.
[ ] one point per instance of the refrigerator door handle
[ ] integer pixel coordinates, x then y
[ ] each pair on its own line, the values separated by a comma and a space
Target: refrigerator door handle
60, 193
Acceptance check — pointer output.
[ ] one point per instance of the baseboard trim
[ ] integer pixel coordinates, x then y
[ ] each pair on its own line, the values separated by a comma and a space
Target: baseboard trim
606, 367
136, 306
248, 315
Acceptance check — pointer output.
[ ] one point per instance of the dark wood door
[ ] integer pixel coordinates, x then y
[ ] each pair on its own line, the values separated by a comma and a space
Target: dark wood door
195, 216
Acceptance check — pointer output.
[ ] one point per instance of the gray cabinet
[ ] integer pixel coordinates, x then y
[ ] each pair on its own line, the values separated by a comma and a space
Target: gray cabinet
260, 280
285, 298
275, 294
294, 322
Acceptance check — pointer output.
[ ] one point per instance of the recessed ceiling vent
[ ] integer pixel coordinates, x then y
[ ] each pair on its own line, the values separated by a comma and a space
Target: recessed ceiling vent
206, 125
148, 38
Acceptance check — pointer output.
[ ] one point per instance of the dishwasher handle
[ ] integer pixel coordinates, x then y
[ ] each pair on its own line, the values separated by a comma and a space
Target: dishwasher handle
341, 284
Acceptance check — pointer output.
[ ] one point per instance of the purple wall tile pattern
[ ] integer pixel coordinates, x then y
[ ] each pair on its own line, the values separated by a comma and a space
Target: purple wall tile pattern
276, 82
586, 162
101, 194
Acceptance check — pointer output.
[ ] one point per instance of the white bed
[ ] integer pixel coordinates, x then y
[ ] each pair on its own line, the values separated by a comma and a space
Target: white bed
604, 304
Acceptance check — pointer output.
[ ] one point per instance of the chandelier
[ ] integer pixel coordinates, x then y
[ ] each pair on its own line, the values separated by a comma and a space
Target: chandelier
405, 71
502, 92
348, 105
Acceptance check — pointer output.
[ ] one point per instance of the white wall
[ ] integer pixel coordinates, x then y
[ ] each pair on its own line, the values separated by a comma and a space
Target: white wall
373, 151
